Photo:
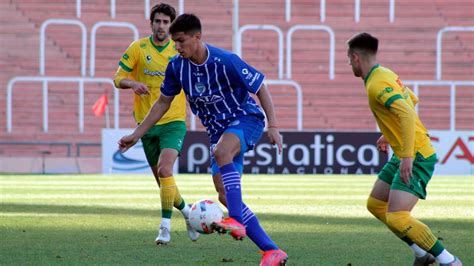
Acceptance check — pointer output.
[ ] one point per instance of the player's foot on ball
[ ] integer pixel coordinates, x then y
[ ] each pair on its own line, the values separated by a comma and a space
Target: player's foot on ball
192, 233
455, 262
230, 225
275, 257
425, 260
164, 236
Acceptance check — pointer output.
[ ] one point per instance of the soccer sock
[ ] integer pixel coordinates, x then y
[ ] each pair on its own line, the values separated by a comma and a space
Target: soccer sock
167, 194
255, 232
419, 252
233, 194
166, 222
445, 257
415, 230
185, 210
178, 200
379, 209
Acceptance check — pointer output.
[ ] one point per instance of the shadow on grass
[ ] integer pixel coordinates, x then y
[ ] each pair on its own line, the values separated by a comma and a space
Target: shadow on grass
309, 240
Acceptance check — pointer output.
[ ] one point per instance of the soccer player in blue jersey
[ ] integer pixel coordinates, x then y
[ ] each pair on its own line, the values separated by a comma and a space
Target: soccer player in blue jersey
217, 85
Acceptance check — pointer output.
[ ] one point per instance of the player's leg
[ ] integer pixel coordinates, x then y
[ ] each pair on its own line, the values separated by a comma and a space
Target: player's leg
248, 131
377, 204
403, 197
223, 153
167, 146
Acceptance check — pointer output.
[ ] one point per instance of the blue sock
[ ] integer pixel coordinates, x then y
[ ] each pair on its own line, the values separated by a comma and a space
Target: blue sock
233, 193
255, 231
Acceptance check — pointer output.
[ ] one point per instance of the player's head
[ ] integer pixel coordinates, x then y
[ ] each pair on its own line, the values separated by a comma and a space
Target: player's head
186, 33
361, 48
161, 17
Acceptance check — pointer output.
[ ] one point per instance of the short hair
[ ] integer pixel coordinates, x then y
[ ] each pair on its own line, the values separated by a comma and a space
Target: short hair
163, 8
364, 42
187, 23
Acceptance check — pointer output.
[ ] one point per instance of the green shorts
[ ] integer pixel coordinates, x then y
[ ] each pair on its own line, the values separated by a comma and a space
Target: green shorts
169, 135
422, 172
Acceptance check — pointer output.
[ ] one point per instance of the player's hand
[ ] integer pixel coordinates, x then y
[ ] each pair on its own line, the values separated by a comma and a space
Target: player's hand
382, 144
275, 138
406, 166
127, 142
140, 88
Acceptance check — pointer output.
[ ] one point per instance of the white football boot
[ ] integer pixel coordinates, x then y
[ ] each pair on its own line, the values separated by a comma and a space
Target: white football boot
192, 233
164, 236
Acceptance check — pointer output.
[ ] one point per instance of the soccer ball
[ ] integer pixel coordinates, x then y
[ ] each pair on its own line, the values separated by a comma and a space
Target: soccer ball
203, 213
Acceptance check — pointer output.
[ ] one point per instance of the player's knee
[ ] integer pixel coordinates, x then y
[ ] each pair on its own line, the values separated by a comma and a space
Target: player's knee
164, 171
398, 220
376, 207
371, 208
222, 155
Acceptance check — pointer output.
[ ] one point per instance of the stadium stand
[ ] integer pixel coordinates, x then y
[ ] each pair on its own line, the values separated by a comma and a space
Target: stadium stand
339, 104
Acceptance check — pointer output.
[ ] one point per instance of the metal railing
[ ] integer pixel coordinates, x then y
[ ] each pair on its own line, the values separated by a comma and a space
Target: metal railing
262, 27
332, 44
101, 24
113, 8
45, 80
68, 145
322, 10
299, 97
452, 98
42, 41
439, 43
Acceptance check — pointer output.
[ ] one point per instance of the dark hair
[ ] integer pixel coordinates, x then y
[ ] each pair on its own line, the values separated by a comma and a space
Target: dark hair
163, 8
187, 23
364, 42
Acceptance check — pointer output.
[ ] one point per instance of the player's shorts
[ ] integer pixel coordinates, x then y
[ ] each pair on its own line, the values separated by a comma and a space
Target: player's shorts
159, 137
249, 130
422, 172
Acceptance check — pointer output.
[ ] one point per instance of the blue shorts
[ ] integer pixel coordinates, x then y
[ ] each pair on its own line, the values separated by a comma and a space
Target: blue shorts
249, 130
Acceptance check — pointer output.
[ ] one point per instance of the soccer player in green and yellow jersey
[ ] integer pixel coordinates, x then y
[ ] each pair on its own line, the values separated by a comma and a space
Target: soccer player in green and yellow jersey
142, 69
403, 180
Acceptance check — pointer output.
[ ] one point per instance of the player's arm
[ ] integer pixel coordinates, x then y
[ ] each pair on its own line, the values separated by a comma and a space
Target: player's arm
154, 115
267, 104
122, 79
412, 95
407, 116
169, 88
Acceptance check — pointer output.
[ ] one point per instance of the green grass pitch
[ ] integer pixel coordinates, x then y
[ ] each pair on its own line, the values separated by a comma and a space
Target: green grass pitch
316, 219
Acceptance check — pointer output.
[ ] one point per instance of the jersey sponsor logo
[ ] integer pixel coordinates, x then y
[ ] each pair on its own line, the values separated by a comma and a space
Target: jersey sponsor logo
200, 87
125, 56
256, 77
245, 71
211, 99
148, 59
249, 76
153, 73
386, 90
